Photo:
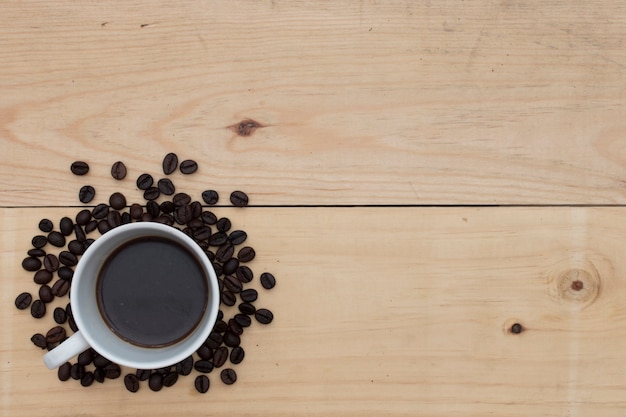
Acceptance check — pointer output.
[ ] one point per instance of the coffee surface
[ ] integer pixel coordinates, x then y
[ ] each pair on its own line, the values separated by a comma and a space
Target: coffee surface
152, 292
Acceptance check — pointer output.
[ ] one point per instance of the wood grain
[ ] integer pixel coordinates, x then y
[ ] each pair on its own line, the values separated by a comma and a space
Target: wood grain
400, 102
385, 311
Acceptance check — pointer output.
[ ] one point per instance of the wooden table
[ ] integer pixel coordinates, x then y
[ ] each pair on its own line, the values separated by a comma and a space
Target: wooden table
422, 176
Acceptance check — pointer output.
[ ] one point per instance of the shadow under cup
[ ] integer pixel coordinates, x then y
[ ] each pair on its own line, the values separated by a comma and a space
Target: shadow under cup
95, 328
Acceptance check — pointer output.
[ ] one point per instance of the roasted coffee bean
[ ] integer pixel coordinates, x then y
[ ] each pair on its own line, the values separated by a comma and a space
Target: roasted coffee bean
66, 225
114, 219
234, 327
63, 373
246, 254
80, 233
163, 370
228, 376
79, 168
88, 243
117, 201
196, 209
202, 233
86, 194
118, 170
232, 284
131, 382
196, 224
143, 374
72, 324
99, 374
181, 199
185, 366
45, 294
239, 199
220, 315
182, 214
264, 316
210, 197
146, 217
209, 254
151, 193
145, 181
170, 163
112, 371
153, 208
59, 315
165, 219
167, 207
244, 274
36, 252
68, 310
103, 226
224, 252
231, 339
136, 211
56, 239
188, 166
202, 384
91, 226
220, 355
218, 239
170, 379
230, 266
87, 379
77, 371
237, 355
155, 382
31, 264
39, 340
126, 218
55, 335
86, 357
204, 352
267, 280
68, 258
76, 247
83, 217
61, 287
46, 225
249, 295
214, 340
39, 241
38, 309
243, 320
66, 273
100, 211
220, 326
203, 366
228, 298
208, 217
42, 276
237, 237
166, 186
51, 262
247, 308
223, 224
22, 301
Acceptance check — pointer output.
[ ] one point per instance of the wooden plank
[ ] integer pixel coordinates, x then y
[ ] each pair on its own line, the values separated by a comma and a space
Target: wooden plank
385, 311
489, 102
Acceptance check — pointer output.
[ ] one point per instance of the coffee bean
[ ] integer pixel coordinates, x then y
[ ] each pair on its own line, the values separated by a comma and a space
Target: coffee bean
76, 247
202, 233
246, 254
220, 356
220, 315
163, 370
103, 226
182, 214
224, 252
99, 375
42, 276
72, 324
167, 207
185, 366
131, 382
68, 258
56, 239
210, 197
79, 168
247, 308
231, 339
100, 211
155, 382
267, 280
244, 274
86, 194
146, 217
39, 241
237, 237
223, 224
114, 219
234, 327
237, 355
39, 340
218, 239
66, 225
170, 163
152, 207
55, 335
202, 384
196, 223
79, 233
83, 217
220, 326
228, 298
203, 366
151, 193
188, 166
230, 266
204, 352
77, 371
264, 316
208, 217
60, 287
36, 252
45, 294
46, 225
136, 211
181, 199
51, 262
88, 243
249, 295
66, 273
87, 379
145, 181
117, 201
38, 309
239, 199
118, 170
91, 226
196, 209
63, 373
143, 374
166, 186
232, 284
112, 371
86, 357
243, 320
214, 340
228, 376
170, 379
31, 264
22, 302
126, 218
59, 315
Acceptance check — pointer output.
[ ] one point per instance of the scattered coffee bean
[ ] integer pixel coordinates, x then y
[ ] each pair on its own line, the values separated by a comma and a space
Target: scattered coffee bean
208, 217
117, 201
223, 224
68, 258
100, 211
228, 298
220, 326
31, 264
232, 284
204, 352
83, 217
112, 371
182, 214
55, 335
118, 170
170, 163
22, 302
86, 357
91, 226
218, 239
181, 199
196, 209
264, 316
79, 168
126, 218
239, 199
231, 339
220, 356
246, 254
247, 308
243, 320
163, 370
103, 226
38, 309
136, 211
210, 197
145, 181
166, 186
244, 274
51, 262
203, 366
228, 376
237, 355
99, 375
249, 295
170, 379
39, 340
45, 294
42, 276
75, 247
267, 280
39, 241
46, 225
225, 252
64, 371
188, 166
65, 273
80, 233
66, 225
143, 374
185, 366
234, 327
202, 384
86, 194
35, 252
60, 288
114, 219
237, 237
72, 324
131, 382
87, 379
155, 382
230, 266
56, 239
59, 315
151, 193
77, 371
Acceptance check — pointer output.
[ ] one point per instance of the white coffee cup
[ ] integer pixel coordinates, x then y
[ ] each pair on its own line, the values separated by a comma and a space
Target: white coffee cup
93, 329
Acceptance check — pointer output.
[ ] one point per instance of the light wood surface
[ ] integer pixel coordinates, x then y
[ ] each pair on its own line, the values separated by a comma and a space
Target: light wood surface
353, 126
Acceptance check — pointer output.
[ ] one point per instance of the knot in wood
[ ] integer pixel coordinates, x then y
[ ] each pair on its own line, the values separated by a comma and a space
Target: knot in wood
576, 286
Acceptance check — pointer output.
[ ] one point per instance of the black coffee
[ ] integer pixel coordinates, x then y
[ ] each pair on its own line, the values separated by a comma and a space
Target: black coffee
152, 292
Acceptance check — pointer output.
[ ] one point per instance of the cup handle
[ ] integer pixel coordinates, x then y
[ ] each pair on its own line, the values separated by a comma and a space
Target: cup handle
73, 346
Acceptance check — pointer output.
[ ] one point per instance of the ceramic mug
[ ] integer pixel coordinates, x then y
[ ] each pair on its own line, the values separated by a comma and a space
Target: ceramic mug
94, 330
